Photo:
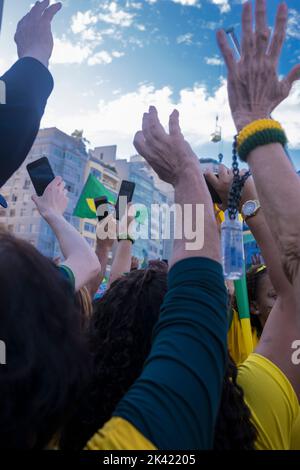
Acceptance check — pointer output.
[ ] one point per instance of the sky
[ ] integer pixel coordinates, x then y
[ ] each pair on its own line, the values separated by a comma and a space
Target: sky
112, 59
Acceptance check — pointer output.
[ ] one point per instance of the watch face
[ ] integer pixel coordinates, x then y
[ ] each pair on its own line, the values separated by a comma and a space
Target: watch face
249, 208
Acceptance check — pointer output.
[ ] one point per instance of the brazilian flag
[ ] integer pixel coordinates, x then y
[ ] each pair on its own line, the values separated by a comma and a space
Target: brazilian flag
93, 189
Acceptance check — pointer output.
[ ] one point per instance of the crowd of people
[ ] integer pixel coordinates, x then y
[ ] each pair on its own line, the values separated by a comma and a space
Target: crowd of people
151, 364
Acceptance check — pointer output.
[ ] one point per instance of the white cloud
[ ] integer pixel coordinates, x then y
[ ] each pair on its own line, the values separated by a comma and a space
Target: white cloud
81, 20
213, 60
222, 4
185, 39
186, 2
113, 15
67, 53
293, 29
117, 120
104, 57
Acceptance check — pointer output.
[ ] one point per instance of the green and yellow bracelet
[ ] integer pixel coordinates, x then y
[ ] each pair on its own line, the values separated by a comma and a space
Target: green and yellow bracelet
259, 133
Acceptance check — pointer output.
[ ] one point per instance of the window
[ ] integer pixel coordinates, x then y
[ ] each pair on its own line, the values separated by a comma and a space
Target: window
22, 228
101, 156
2, 212
23, 212
33, 228
70, 187
14, 198
89, 228
26, 184
35, 212
25, 197
96, 173
10, 228
12, 213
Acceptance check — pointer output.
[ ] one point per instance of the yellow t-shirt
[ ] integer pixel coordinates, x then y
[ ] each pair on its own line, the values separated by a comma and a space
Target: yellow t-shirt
119, 434
272, 401
295, 445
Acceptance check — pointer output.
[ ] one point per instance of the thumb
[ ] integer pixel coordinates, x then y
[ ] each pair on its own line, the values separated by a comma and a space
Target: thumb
292, 76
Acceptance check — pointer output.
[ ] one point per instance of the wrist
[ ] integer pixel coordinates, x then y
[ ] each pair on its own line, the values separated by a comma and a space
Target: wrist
190, 172
50, 215
37, 56
242, 120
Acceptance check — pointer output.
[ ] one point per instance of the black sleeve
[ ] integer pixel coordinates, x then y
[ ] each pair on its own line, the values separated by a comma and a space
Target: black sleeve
28, 86
175, 401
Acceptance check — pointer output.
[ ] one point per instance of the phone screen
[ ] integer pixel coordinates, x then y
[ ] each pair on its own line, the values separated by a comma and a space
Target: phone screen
41, 174
126, 191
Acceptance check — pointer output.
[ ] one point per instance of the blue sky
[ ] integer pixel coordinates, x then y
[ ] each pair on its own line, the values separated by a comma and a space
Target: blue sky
112, 59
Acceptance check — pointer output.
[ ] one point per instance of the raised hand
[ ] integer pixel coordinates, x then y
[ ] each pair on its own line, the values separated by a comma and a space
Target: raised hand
54, 201
223, 182
254, 87
168, 154
34, 36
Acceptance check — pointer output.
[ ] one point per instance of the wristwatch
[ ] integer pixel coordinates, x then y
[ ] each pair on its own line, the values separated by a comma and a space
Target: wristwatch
250, 209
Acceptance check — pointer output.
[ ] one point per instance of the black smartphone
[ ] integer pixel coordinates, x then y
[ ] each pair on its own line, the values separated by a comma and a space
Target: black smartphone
214, 195
102, 207
126, 191
41, 174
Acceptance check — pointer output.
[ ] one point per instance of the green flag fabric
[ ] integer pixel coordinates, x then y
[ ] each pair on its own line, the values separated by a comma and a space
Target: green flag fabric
93, 189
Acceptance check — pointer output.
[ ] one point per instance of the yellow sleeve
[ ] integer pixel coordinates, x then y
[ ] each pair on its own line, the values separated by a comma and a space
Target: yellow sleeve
272, 401
295, 445
239, 338
119, 434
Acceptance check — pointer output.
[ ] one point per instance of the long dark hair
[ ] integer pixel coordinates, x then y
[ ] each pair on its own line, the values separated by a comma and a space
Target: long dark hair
46, 355
120, 341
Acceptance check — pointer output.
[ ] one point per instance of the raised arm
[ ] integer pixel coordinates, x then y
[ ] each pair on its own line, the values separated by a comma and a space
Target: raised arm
28, 85
257, 225
122, 260
79, 257
254, 92
173, 405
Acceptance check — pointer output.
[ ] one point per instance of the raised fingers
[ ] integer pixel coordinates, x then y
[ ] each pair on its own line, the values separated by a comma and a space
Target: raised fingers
262, 32
279, 33
51, 12
174, 127
226, 50
248, 35
155, 128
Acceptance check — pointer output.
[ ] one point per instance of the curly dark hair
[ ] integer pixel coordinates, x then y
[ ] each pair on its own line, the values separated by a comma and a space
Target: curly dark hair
46, 355
254, 275
120, 341
234, 429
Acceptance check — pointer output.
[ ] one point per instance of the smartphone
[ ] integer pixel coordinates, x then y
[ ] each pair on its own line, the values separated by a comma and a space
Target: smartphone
126, 191
41, 174
103, 207
214, 195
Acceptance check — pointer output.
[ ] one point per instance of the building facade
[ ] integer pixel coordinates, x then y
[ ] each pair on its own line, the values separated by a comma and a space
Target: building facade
68, 159
148, 191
